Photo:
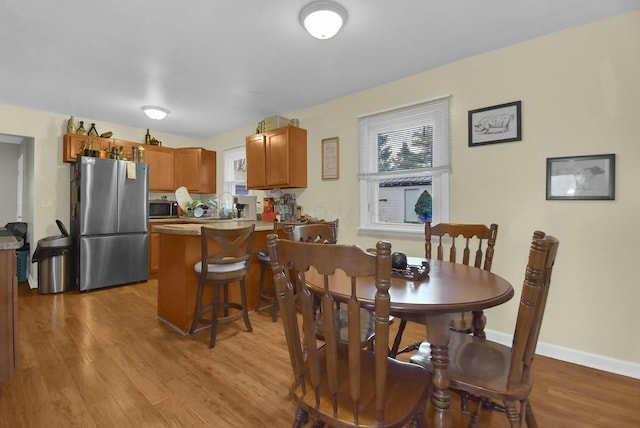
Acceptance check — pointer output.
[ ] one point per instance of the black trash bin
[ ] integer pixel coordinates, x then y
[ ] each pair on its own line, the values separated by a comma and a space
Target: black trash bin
53, 255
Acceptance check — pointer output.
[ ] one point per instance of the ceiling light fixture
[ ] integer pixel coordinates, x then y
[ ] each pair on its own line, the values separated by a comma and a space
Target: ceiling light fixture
323, 19
155, 112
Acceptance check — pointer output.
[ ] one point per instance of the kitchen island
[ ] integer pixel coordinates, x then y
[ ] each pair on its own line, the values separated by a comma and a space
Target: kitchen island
177, 281
8, 304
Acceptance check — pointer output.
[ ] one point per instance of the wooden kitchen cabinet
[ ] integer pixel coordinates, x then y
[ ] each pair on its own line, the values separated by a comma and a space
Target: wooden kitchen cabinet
8, 311
161, 168
74, 143
277, 159
195, 169
154, 248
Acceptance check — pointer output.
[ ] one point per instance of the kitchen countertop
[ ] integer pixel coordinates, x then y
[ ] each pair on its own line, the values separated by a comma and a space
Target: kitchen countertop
194, 226
10, 242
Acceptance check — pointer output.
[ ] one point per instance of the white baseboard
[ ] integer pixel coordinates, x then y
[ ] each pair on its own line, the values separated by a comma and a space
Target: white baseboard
569, 355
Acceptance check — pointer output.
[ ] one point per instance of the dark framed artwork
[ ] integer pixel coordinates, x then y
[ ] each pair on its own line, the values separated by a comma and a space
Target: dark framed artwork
581, 177
496, 124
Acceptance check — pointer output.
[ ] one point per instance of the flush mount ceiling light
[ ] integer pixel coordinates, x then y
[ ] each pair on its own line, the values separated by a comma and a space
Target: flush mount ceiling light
155, 112
323, 19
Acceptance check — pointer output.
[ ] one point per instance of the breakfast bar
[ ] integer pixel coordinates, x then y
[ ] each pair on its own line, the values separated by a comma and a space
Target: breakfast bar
177, 281
8, 304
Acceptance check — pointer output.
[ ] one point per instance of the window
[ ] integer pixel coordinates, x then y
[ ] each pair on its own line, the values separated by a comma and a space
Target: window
404, 168
235, 171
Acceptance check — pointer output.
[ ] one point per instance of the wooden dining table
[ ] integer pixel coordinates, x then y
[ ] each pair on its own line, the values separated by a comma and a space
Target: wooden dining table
448, 288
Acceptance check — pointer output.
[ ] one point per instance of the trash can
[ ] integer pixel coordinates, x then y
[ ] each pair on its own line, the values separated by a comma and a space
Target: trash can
53, 255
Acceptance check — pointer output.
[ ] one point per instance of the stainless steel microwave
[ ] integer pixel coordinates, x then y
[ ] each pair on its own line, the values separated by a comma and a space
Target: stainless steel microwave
163, 209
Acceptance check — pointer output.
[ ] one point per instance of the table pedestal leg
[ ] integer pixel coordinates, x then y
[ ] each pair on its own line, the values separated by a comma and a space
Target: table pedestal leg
439, 339
478, 324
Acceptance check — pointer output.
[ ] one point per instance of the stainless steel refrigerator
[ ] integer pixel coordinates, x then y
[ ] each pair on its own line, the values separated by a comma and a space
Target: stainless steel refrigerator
109, 222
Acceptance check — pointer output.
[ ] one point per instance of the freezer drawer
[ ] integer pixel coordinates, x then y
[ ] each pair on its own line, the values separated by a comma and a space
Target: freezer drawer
113, 260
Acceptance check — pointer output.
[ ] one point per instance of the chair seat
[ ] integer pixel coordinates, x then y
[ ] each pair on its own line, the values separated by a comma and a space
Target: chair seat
231, 267
406, 387
263, 256
477, 365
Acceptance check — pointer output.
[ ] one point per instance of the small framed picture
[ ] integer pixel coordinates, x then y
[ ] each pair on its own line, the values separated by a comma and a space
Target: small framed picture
495, 124
330, 158
581, 177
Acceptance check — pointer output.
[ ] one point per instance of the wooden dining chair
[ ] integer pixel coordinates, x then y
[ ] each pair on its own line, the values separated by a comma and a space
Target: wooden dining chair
469, 244
225, 259
487, 372
339, 383
327, 233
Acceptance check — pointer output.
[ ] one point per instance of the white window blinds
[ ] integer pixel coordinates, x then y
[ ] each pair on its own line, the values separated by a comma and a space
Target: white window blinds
410, 140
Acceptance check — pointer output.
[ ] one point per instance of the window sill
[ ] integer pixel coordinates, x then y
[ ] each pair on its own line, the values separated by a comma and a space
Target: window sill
394, 231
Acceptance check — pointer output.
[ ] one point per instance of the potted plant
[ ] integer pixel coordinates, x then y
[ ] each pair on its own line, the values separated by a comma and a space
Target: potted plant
424, 207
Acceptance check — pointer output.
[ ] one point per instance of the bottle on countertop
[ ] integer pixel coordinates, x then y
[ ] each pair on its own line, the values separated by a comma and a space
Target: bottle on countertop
93, 131
71, 126
147, 137
81, 129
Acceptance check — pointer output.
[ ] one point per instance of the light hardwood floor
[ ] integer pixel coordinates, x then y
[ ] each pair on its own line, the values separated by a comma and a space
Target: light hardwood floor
102, 359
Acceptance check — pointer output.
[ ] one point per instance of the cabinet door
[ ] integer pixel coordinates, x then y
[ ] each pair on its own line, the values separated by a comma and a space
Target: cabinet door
187, 169
195, 169
256, 161
160, 162
154, 248
277, 158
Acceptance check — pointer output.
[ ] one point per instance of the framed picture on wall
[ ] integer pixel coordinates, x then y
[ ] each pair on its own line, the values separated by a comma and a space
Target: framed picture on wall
330, 158
581, 177
496, 124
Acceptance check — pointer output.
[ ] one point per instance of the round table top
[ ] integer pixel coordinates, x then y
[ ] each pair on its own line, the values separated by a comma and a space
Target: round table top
449, 287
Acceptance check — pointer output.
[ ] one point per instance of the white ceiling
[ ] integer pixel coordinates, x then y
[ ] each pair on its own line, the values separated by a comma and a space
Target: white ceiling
219, 65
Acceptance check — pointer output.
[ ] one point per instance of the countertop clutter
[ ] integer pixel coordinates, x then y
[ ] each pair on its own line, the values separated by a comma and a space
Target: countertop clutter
193, 228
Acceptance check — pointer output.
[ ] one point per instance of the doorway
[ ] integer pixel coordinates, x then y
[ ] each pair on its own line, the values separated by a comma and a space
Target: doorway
17, 178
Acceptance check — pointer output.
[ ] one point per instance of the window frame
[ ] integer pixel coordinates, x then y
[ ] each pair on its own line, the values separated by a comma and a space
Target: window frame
231, 155
369, 179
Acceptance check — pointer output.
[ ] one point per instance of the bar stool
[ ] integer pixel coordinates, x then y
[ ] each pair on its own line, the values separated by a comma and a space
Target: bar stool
226, 256
267, 295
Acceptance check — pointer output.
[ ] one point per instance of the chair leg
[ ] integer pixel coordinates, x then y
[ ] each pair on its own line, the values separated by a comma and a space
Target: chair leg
214, 315
196, 313
225, 303
529, 417
398, 338
245, 312
512, 414
475, 417
262, 295
302, 418
260, 287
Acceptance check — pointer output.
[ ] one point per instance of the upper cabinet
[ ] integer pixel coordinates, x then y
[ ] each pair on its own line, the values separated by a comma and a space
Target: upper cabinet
277, 159
169, 168
75, 143
195, 169
161, 168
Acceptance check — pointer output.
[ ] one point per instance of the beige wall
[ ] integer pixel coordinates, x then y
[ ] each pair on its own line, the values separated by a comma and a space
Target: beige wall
580, 91
51, 175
